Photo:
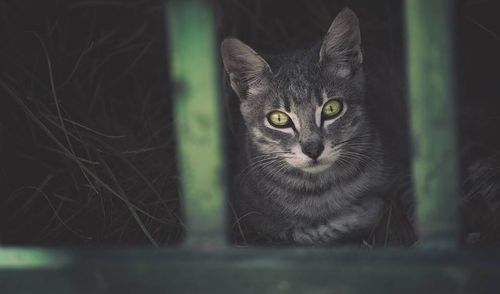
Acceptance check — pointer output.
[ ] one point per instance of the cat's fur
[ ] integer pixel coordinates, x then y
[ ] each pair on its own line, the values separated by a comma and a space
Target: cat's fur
284, 194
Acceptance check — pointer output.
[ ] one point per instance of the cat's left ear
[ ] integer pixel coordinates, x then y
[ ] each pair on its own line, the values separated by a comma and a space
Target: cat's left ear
341, 48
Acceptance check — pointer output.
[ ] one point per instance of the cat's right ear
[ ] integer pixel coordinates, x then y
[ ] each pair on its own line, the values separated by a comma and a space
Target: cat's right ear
248, 72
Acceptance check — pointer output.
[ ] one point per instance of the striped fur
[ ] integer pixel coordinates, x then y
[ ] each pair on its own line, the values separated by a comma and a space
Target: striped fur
283, 194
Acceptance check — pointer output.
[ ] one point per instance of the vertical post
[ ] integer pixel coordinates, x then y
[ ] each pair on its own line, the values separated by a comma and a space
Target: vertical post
198, 121
432, 116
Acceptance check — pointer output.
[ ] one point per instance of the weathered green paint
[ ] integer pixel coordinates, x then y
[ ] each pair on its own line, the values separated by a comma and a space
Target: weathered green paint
431, 101
252, 271
33, 259
197, 116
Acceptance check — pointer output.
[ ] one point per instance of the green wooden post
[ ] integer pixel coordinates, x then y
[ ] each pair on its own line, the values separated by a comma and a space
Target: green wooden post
431, 101
197, 115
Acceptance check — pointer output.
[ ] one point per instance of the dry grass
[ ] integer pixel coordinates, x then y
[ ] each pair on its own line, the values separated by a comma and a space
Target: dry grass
88, 149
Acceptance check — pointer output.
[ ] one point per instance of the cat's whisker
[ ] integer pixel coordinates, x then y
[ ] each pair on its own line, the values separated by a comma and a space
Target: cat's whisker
348, 163
256, 165
359, 157
353, 139
267, 155
261, 164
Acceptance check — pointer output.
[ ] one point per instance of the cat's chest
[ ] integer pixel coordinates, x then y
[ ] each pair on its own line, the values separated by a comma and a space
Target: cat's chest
303, 200
321, 205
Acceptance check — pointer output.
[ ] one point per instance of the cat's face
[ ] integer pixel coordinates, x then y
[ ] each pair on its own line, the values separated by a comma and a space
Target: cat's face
305, 107
305, 124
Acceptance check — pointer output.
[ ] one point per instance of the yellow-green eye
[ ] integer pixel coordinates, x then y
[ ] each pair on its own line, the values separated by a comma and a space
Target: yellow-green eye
331, 108
279, 119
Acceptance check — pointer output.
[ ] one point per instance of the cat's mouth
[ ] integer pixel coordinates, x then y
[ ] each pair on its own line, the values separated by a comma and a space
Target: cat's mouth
312, 166
315, 166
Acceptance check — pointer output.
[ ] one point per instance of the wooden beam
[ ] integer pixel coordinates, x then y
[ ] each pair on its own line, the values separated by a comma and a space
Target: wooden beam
194, 61
429, 37
283, 270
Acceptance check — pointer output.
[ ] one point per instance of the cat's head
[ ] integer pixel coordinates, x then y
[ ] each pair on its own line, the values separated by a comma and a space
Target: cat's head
303, 107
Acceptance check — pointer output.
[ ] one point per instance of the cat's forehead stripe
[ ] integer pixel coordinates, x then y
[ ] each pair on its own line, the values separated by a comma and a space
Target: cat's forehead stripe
318, 96
286, 104
277, 104
325, 96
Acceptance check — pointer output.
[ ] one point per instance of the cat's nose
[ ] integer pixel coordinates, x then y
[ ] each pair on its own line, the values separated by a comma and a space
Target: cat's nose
313, 149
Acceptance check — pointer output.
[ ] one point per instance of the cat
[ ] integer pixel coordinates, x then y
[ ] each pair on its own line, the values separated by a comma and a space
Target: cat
315, 169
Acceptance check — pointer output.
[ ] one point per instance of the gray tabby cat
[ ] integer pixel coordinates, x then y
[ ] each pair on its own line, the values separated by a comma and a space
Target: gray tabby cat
315, 167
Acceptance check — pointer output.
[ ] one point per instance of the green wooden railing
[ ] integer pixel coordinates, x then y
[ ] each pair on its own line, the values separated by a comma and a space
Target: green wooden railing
193, 54
430, 62
205, 264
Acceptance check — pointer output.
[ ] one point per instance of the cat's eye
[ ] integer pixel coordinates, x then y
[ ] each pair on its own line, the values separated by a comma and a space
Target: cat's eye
331, 109
279, 119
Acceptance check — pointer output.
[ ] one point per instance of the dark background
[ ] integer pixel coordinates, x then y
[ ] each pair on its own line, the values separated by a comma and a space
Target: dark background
87, 153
